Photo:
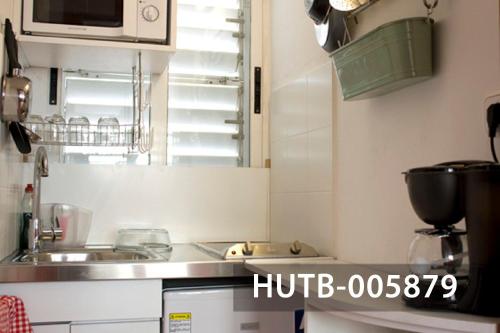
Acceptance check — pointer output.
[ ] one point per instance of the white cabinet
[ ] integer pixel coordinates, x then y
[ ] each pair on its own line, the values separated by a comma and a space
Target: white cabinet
147, 326
117, 327
63, 302
62, 328
92, 306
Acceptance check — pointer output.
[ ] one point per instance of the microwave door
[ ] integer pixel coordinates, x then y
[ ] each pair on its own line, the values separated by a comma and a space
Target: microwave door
100, 19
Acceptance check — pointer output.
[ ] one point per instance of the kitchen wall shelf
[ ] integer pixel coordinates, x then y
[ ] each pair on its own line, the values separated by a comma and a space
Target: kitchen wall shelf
94, 55
85, 135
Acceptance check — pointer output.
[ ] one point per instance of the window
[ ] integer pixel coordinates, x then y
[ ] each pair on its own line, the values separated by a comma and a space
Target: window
209, 103
209, 119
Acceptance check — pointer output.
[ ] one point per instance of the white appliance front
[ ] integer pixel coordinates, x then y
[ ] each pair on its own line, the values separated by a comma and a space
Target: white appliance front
213, 310
134, 20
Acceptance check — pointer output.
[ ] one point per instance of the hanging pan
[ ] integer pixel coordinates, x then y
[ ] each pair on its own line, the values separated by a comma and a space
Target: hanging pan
333, 33
16, 89
15, 95
317, 10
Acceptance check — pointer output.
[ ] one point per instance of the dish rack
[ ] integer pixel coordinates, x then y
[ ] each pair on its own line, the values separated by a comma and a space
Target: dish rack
136, 136
141, 138
85, 135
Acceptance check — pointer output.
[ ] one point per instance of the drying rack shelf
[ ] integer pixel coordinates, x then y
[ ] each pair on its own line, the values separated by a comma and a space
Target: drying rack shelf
84, 135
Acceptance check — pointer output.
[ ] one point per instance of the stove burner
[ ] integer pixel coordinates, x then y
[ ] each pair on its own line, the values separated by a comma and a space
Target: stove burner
258, 250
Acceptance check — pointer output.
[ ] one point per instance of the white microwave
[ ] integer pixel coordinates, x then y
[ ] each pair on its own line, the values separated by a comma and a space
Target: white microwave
122, 20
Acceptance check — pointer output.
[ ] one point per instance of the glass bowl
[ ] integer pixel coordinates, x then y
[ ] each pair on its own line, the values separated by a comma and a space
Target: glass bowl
140, 239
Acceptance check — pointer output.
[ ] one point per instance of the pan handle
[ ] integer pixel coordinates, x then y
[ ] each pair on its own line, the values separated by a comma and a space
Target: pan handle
12, 48
20, 137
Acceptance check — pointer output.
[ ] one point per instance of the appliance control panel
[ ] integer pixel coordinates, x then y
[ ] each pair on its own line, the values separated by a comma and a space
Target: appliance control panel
151, 13
152, 19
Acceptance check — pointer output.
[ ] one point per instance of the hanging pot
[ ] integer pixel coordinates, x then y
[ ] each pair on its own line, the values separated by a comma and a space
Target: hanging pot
317, 10
15, 88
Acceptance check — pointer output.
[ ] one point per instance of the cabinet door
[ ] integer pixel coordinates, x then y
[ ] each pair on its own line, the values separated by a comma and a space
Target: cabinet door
117, 327
88, 301
63, 328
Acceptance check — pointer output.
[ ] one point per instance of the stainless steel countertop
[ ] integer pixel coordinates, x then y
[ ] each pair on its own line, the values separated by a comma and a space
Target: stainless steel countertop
186, 261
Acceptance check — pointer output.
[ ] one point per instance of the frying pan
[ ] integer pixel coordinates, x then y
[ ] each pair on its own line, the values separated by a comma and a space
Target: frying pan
332, 34
317, 10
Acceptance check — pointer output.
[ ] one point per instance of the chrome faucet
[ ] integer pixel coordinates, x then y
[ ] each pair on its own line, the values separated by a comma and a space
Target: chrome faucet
36, 231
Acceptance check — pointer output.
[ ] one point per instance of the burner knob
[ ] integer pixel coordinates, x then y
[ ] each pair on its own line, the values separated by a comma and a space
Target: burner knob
247, 249
296, 248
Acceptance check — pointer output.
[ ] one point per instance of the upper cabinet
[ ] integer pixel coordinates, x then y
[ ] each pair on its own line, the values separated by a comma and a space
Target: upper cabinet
96, 35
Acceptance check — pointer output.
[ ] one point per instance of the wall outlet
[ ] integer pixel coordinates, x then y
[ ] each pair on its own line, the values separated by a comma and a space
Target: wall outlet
490, 100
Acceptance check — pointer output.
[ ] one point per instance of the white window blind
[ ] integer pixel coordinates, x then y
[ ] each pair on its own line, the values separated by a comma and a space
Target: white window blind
208, 116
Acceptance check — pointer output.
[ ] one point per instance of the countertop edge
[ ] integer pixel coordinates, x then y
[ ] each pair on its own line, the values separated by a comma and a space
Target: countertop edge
22, 273
404, 318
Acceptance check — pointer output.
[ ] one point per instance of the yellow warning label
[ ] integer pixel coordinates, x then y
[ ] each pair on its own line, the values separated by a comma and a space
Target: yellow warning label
179, 322
180, 316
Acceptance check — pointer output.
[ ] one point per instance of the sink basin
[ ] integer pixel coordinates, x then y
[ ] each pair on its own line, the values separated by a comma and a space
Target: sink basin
83, 256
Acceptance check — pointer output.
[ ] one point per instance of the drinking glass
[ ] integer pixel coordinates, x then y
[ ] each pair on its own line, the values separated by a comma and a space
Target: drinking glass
37, 125
56, 128
79, 130
109, 131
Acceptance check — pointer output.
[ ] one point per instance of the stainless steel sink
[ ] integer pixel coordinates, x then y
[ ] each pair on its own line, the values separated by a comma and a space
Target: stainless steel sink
83, 256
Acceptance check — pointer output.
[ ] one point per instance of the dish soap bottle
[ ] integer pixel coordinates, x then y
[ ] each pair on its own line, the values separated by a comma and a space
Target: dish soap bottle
27, 210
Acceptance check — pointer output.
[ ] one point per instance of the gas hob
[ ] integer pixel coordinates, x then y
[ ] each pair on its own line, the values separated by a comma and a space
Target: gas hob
258, 250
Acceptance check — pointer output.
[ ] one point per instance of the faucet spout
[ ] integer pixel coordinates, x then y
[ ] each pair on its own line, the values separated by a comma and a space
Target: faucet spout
41, 169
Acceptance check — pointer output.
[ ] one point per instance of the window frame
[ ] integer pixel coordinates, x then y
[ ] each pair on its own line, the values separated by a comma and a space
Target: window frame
258, 127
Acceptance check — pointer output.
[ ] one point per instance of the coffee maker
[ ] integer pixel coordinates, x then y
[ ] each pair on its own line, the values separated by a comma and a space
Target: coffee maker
436, 194
442, 195
482, 216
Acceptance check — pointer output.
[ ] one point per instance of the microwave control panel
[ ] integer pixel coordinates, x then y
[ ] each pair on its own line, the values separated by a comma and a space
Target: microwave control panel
152, 19
151, 13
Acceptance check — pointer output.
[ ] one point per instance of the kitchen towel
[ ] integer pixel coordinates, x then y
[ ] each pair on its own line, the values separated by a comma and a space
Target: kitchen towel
13, 317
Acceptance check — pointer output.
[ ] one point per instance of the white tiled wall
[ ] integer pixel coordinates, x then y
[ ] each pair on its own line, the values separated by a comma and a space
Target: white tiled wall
194, 204
301, 154
10, 193
10, 176
374, 140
